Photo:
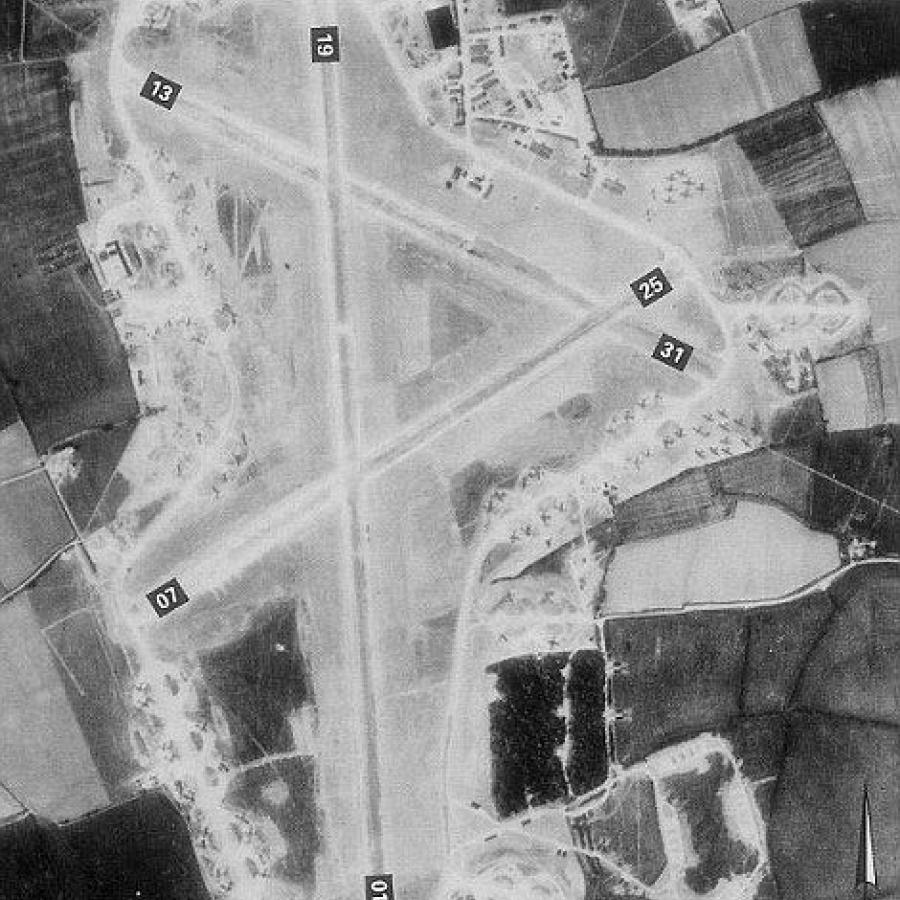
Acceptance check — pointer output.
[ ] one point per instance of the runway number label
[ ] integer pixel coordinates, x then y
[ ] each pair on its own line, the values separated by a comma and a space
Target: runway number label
650, 287
160, 90
379, 887
325, 42
167, 597
673, 352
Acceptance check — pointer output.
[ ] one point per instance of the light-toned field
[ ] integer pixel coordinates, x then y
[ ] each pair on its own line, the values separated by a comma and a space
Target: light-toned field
760, 552
739, 78
429, 326
46, 761
863, 123
17, 453
742, 12
750, 220
33, 527
866, 258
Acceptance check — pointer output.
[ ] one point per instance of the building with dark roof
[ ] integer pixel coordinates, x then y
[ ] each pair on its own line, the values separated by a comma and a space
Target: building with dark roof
519, 7
442, 27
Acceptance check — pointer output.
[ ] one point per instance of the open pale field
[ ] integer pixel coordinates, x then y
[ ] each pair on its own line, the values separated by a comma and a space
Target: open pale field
16, 450
33, 527
46, 760
759, 552
863, 123
742, 77
865, 256
430, 326
742, 12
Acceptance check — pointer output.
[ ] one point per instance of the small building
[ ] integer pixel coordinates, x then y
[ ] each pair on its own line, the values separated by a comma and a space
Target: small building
112, 265
442, 27
519, 7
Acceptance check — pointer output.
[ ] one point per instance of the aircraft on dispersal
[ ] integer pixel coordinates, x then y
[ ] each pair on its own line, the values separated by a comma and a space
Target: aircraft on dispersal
865, 860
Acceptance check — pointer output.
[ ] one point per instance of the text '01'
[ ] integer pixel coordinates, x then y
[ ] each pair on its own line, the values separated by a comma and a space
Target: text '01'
380, 887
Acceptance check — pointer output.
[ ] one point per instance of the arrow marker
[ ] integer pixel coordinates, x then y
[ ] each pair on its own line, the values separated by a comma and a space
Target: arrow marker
865, 860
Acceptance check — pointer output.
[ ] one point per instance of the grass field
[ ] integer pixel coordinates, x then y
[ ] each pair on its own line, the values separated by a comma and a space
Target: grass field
59, 349
91, 667
814, 833
852, 42
864, 126
86, 663
700, 800
625, 826
259, 679
614, 41
857, 487
432, 326
855, 666
760, 552
800, 166
138, 848
295, 816
33, 527
780, 639
844, 734
743, 77
47, 761
766, 474
758, 742
742, 12
816, 713
705, 669
98, 454
16, 450
673, 693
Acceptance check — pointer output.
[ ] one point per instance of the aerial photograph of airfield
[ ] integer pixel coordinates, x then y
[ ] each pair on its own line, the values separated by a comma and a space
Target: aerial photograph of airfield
449, 449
